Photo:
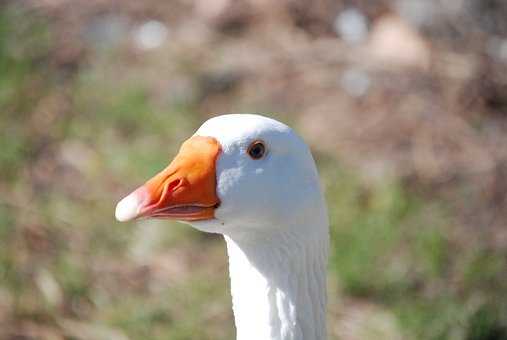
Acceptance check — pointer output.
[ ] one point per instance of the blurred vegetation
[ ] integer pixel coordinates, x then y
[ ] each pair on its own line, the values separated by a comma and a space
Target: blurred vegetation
395, 249
82, 122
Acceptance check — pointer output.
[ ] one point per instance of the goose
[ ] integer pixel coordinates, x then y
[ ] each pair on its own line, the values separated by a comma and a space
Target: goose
253, 180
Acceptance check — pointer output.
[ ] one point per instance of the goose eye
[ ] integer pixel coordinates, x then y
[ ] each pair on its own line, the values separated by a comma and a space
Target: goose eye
256, 150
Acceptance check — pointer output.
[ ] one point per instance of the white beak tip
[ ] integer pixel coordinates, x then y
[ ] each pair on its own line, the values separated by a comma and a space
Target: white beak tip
128, 208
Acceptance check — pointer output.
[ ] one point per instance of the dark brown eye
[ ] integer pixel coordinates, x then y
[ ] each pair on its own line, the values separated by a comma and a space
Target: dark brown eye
256, 150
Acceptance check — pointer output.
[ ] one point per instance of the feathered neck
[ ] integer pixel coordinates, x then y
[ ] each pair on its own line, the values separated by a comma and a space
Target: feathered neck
278, 283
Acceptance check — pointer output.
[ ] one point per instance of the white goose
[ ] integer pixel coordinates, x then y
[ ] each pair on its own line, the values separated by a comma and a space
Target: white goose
252, 179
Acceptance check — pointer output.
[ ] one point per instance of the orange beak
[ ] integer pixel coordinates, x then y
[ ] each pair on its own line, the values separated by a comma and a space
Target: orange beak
185, 190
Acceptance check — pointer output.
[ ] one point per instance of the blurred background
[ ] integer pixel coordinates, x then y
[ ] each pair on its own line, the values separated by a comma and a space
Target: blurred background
404, 103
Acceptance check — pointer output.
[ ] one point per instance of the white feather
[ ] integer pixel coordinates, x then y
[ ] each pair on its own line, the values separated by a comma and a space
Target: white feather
275, 223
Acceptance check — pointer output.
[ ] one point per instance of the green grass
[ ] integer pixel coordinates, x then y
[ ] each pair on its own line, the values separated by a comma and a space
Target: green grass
393, 248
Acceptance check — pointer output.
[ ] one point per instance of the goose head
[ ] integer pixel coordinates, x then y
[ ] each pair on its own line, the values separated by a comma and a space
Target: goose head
238, 174
252, 179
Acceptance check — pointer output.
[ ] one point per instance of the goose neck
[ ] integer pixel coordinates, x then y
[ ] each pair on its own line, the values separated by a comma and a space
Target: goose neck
278, 285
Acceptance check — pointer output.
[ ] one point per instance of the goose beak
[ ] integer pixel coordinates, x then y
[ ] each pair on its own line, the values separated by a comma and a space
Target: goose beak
185, 190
